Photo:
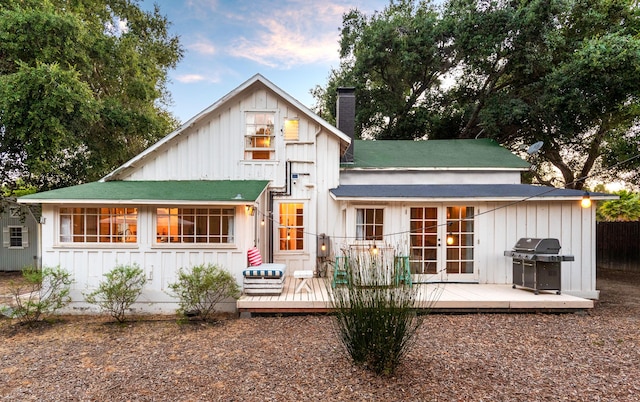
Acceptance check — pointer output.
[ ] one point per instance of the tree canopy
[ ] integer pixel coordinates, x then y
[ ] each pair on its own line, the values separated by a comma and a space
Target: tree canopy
82, 88
625, 209
563, 72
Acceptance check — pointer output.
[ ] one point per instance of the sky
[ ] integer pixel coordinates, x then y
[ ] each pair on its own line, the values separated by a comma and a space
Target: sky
292, 43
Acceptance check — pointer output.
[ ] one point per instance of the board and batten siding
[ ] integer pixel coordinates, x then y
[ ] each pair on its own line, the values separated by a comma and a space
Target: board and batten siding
89, 262
430, 176
17, 258
498, 226
213, 148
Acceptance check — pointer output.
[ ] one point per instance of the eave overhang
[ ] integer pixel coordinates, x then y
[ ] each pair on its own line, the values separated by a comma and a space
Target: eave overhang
453, 192
165, 192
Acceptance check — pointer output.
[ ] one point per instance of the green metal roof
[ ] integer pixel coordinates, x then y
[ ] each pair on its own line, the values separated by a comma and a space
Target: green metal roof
236, 191
480, 153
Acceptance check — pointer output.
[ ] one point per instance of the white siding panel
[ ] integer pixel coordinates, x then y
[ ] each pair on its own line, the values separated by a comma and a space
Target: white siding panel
566, 221
430, 177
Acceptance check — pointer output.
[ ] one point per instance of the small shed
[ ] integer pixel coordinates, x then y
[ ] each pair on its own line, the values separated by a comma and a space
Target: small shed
19, 236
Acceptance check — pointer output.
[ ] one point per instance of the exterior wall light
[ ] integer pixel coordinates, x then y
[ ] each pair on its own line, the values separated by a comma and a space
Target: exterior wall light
374, 250
249, 210
586, 200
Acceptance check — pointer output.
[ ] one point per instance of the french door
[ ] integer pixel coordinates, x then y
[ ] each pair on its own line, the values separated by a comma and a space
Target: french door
290, 245
442, 244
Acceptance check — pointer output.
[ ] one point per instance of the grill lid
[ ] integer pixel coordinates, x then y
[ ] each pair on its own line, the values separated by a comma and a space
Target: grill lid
537, 246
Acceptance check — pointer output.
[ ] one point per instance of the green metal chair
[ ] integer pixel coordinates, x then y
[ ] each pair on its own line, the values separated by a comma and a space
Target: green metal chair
403, 270
341, 272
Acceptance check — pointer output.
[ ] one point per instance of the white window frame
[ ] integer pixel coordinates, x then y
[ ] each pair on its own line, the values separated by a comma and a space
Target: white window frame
119, 231
291, 129
361, 225
291, 227
7, 237
257, 132
186, 220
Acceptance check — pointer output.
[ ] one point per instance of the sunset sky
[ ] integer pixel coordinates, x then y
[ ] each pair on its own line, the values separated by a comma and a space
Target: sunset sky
293, 43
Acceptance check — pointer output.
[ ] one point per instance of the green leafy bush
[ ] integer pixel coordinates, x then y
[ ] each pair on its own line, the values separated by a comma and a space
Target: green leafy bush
201, 288
375, 315
120, 289
40, 293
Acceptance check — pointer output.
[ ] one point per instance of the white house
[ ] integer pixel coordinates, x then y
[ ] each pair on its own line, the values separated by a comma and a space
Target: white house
259, 168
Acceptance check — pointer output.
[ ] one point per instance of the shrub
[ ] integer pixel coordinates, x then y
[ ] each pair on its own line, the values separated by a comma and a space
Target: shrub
376, 316
201, 288
120, 289
40, 293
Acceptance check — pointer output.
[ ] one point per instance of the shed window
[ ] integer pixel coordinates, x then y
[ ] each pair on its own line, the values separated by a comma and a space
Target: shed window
259, 136
14, 212
15, 237
195, 225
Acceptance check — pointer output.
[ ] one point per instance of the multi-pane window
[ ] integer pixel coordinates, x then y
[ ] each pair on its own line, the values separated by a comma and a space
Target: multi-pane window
98, 225
15, 236
460, 240
195, 225
291, 229
369, 223
259, 136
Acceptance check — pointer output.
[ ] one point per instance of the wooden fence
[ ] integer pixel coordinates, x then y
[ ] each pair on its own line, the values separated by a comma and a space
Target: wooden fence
618, 245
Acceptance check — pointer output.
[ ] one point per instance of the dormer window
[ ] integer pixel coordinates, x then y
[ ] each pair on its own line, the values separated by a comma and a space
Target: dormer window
259, 136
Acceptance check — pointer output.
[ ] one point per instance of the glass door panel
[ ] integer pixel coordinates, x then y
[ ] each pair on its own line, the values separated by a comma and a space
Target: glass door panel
442, 240
425, 243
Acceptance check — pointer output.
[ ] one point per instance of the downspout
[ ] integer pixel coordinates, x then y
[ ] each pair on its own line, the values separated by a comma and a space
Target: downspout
272, 195
38, 259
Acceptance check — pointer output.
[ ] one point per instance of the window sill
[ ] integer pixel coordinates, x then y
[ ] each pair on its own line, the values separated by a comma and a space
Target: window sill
260, 161
97, 245
182, 246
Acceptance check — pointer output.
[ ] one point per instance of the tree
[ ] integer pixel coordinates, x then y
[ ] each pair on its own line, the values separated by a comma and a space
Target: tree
625, 209
82, 88
396, 59
559, 71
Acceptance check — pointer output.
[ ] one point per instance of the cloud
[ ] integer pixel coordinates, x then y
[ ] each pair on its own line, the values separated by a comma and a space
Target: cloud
192, 78
296, 33
203, 47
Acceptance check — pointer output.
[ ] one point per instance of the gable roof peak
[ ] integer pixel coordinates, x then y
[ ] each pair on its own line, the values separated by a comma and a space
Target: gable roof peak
256, 78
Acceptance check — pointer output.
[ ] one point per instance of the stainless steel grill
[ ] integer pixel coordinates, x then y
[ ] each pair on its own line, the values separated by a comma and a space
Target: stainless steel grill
536, 264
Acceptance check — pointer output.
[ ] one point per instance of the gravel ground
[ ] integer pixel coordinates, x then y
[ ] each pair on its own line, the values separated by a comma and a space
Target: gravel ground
592, 356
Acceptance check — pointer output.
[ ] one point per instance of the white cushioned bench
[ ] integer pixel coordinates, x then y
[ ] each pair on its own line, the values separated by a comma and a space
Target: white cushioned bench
264, 279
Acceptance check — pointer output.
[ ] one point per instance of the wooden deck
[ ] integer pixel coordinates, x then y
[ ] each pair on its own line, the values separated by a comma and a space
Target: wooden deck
437, 297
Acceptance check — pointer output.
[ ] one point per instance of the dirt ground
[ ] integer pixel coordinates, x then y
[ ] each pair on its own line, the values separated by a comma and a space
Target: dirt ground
588, 356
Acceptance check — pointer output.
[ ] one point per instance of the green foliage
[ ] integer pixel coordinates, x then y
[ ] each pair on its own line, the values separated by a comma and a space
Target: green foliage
79, 95
120, 289
40, 293
562, 71
375, 316
625, 209
395, 59
201, 288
